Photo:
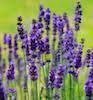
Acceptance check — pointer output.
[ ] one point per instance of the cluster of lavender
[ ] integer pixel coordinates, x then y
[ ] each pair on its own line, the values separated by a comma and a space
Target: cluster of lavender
47, 63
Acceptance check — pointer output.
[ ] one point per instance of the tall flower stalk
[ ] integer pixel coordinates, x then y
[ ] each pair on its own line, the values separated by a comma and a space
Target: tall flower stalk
2, 90
12, 93
23, 37
89, 86
33, 73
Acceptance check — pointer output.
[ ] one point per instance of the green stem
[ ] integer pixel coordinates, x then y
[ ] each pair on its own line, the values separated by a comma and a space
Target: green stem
47, 72
21, 92
41, 93
32, 91
73, 88
63, 90
79, 92
10, 97
36, 91
51, 93
26, 96
70, 94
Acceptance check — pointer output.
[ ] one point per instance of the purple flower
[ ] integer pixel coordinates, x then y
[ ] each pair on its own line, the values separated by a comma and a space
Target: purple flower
16, 42
78, 57
35, 35
10, 73
89, 84
9, 41
11, 90
47, 21
2, 93
58, 56
20, 65
77, 27
56, 96
41, 7
5, 38
54, 21
51, 77
78, 14
33, 72
59, 76
91, 59
87, 58
54, 17
33, 44
60, 25
25, 83
73, 73
68, 43
47, 16
20, 28
19, 18
2, 90
47, 45
27, 49
41, 45
24, 40
39, 25
15, 54
39, 34
66, 21
15, 45
41, 12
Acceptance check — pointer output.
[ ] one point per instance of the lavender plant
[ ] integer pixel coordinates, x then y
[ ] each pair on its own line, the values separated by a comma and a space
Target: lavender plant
48, 68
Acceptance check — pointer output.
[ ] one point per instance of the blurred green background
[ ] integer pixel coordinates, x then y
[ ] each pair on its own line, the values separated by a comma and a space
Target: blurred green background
28, 9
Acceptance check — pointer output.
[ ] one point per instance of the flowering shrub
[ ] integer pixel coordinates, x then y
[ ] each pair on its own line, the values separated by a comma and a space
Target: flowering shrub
51, 60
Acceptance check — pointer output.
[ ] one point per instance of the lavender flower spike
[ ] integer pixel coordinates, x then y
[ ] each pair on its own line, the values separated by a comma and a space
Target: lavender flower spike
89, 85
59, 76
10, 73
2, 92
51, 77
33, 72
78, 14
